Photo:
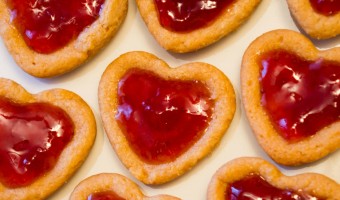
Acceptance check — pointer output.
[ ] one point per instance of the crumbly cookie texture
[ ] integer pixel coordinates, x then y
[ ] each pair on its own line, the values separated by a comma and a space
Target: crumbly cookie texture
316, 25
309, 149
221, 91
311, 183
119, 184
74, 153
78, 51
227, 22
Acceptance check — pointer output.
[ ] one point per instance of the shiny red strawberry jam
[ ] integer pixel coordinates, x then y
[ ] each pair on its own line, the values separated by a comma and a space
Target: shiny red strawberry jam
188, 15
106, 195
301, 96
162, 118
49, 25
32, 137
254, 187
326, 7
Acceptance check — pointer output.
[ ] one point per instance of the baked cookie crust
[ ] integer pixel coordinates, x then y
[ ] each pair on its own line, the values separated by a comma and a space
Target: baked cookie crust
312, 183
119, 184
316, 25
185, 42
221, 91
88, 43
310, 149
74, 153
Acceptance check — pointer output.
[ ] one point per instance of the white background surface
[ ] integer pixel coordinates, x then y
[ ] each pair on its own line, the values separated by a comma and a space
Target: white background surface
226, 54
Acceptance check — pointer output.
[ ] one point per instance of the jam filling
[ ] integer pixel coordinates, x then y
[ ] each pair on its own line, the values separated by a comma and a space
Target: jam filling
300, 96
326, 7
160, 118
32, 137
189, 15
47, 26
106, 195
254, 187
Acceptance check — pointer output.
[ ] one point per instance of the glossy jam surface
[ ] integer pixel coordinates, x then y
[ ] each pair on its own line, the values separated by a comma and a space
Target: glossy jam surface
255, 187
48, 25
188, 15
162, 118
32, 137
326, 7
301, 96
106, 195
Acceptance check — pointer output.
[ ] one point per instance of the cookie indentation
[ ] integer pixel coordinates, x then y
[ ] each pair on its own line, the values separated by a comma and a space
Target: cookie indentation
165, 118
31, 140
182, 16
301, 96
47, 26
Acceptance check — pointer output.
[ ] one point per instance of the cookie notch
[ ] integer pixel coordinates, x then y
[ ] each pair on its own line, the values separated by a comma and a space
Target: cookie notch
309, 149
73, 155
316, 25
75, 53
228, 21
221, 91
119, 184
311, 183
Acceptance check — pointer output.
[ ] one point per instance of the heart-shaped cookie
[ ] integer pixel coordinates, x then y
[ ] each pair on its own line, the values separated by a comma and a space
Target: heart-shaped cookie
319, 19
162, 121
111, 186
255, 178
290, 92
44, 138
185, 26
49, 38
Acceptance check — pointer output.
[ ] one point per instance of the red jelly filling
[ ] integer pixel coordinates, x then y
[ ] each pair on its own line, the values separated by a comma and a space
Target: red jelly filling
301, 96
326, 7
47, 26
106, 195
162, 118
181, 16
32, 137
254, 187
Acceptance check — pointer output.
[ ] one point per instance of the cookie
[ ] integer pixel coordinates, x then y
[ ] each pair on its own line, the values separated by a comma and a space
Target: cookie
255, 177
161, 121
46, 42
319, 19
179, 26
44, 139
290, 94
111, 185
